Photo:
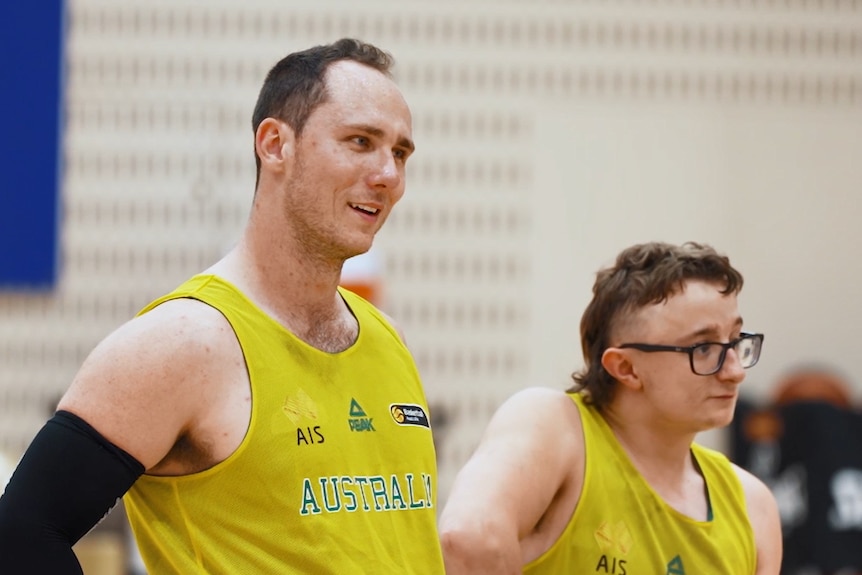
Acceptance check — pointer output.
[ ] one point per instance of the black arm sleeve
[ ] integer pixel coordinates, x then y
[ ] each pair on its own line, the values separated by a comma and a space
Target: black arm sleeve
67, 481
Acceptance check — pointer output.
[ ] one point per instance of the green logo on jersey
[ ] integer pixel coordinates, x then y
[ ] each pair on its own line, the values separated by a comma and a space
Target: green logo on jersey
359, 420
356, 409
675, 566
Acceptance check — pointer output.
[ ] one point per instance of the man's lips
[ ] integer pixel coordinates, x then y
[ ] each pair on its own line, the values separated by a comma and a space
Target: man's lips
370, 209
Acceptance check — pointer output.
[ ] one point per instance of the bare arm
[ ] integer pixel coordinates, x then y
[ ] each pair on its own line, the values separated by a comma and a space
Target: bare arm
765, 520
152, 380
149, 383
529, 452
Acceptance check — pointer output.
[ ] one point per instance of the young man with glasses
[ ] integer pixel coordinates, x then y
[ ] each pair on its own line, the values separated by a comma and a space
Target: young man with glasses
606, 478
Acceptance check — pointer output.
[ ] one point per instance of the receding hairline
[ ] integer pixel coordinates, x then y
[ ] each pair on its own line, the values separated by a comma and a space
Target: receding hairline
403, 141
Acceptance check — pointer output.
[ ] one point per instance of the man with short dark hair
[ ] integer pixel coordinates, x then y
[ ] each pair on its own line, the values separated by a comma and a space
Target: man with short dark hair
261, 418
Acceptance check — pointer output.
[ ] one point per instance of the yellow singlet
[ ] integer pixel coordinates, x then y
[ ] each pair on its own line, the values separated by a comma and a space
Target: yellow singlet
336, 474
622, 527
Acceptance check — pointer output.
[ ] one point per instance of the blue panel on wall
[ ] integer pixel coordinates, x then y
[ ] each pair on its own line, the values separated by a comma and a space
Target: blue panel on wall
31, 103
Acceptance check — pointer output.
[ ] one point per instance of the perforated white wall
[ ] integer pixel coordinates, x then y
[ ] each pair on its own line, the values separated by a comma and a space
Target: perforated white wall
549, 136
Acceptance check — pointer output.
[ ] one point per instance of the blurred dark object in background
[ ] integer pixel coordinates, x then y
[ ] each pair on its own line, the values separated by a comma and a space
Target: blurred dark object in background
806, 444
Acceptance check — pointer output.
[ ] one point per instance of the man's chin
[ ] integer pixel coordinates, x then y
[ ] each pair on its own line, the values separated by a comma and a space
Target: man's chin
357, 247
721, 421
355, 251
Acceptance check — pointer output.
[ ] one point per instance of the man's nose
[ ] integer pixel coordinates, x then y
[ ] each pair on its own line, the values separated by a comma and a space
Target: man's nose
387, 173
732, 369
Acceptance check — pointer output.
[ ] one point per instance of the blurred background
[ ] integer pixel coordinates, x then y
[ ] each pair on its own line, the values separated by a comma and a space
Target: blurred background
550, 135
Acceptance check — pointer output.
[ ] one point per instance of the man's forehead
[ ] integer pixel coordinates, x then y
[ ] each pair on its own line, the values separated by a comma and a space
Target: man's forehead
349, 76
360, 100
698, 306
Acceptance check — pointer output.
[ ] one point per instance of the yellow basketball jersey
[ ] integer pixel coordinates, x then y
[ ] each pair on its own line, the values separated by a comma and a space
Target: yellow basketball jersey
336, 474
622, 527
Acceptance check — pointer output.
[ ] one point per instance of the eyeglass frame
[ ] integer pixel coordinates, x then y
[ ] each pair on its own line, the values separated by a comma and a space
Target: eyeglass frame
649, 348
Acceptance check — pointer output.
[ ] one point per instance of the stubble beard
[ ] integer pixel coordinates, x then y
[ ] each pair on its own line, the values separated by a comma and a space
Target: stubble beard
317, 241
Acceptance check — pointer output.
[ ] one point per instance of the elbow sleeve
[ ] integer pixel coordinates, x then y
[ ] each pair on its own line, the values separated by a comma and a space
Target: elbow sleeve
68, 480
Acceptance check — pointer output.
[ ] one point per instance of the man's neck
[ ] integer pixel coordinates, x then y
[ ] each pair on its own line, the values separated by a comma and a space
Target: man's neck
664, 460
656, 449
295, 290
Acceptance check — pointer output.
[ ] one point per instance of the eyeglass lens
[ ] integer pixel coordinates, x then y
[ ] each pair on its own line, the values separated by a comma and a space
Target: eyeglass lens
709, 357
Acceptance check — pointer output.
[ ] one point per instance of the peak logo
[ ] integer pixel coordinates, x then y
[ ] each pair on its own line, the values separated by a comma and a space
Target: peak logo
359, 420
409, 414
675, 566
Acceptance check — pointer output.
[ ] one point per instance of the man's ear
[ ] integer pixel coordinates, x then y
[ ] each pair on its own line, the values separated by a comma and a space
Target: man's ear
617, 362
274, 142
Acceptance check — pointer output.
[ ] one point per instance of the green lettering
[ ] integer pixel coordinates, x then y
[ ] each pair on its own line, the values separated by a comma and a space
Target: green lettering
396, 493
413, 503
308, 499
378, 491
348, 494
362, 424
426, 480
361, 481
332, 508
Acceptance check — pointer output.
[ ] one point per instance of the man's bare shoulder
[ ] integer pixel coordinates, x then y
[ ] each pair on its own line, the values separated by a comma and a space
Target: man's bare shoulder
529, 456
144, 383
765, 521
539, 425
539, 395
757, 493
182, 317
545, 417
753, 486
171, 336
541, 403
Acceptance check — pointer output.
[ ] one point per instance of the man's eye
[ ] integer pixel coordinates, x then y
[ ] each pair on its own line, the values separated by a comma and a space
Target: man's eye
703, 349
361, 140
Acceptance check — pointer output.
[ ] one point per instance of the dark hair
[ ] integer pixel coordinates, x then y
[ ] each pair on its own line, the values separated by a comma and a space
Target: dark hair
296, 85
642, 275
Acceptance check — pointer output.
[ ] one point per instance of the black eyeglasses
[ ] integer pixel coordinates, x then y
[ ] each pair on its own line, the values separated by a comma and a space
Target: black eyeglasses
708, 358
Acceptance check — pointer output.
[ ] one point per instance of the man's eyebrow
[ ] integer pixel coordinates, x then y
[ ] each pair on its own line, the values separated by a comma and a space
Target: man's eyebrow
377, 132
407, 143
712, 329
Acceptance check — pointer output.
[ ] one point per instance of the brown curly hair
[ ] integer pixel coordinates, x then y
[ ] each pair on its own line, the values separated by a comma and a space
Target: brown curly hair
643, 274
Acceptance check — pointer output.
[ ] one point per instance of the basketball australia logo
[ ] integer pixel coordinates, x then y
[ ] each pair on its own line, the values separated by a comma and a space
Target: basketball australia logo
409, 414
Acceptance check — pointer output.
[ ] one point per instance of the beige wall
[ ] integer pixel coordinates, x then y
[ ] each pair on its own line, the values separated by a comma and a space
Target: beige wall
550, 135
